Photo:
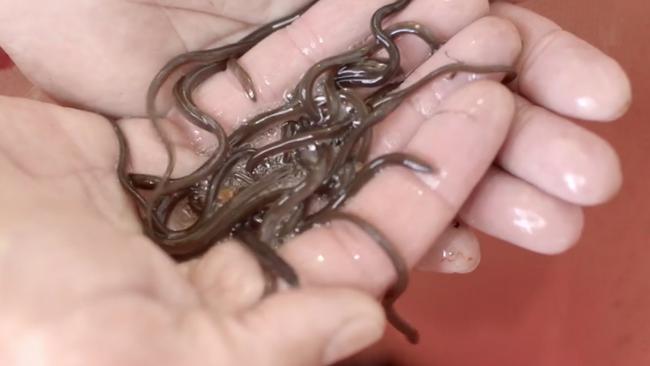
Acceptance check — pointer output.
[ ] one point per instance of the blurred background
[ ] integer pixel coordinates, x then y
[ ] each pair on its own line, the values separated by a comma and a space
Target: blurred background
590, 306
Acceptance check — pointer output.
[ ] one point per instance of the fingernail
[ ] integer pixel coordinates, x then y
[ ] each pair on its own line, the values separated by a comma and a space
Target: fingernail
352, 338
457, 250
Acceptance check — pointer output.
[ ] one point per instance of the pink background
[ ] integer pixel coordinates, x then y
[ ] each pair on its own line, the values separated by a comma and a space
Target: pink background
590, 306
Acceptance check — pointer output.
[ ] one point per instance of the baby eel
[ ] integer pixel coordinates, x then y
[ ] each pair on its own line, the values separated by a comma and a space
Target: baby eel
196, 240
385, 39
409, 28
263, 122
243, 78
362, 74
377, 165
377, 115
293, 222
360, 179
216, 183
333, 97
401, 269
130, 185
443, 70
281, 210
268, 258
122, 171
278, 24
305, 90
183, 90
387, 42
201, 57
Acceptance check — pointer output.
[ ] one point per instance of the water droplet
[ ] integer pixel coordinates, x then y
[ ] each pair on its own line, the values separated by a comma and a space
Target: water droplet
586, 103
574, 182
433, 181
448, 254
528, 221
266, 81
288, 95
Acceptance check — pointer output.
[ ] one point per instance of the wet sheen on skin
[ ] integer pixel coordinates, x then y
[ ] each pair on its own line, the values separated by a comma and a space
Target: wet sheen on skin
265, 192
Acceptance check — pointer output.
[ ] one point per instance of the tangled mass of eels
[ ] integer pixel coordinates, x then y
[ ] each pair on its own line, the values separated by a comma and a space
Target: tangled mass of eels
264, 191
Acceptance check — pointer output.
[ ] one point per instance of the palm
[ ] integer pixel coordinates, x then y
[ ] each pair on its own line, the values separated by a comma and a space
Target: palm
74, 187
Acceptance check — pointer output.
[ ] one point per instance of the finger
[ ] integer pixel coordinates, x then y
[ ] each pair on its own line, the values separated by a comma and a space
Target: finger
492, 41
460, 142
306, 327
313, 37
111, 74
227, 278
457, 250
513, 210
563, 73
560, 157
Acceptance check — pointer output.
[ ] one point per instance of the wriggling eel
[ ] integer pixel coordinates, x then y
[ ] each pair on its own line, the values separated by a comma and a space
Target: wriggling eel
265, 192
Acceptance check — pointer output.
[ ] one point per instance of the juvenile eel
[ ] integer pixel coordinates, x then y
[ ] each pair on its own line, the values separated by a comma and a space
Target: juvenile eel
358, 74
268, 258
292, 166
374, 167
378, 77
296, 142
386, 40
401, 269
281, 210
244, 79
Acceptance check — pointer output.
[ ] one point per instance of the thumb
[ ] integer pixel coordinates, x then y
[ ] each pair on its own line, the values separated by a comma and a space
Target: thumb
306, 327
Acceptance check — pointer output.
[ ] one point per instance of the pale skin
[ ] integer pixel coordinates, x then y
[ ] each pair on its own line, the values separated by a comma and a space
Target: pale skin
80, 284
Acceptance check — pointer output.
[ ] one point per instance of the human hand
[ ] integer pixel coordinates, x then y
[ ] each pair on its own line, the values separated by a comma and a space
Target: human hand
532, 198
445, 142
79, 284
